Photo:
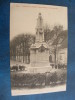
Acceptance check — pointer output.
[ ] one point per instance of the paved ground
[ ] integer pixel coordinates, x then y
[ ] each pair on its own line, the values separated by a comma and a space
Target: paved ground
28, 65
38, 91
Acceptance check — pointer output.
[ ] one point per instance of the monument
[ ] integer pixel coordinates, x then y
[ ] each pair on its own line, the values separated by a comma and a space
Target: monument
39, 51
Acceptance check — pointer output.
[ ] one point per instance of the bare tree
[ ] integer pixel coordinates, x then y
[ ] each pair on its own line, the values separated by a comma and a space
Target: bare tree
54, 38
20, 45
57, 33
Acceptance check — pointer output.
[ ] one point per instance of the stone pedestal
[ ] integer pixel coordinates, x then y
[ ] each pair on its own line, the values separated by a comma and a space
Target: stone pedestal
39, 58
39, 69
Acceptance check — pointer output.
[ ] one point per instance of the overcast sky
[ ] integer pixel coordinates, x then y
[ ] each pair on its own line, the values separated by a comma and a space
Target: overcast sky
23, 17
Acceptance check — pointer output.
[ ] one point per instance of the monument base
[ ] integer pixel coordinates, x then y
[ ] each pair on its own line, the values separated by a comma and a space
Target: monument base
39, 69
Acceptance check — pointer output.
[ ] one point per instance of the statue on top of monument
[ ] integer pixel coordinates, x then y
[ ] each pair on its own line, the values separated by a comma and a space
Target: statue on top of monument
39, 21
39, 29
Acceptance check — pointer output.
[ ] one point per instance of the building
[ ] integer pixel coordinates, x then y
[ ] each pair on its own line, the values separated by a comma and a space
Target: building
62, 53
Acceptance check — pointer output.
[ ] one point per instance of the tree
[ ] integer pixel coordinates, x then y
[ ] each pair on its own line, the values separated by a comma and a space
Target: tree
54, 37
47, 33
20, 46
57, 33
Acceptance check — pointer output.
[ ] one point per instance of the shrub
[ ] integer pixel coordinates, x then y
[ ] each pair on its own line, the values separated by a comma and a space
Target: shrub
37, 80
14, 68
54, 77
63, 77
21, 68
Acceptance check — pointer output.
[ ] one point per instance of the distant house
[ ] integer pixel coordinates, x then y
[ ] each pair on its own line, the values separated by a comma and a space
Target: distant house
62, 53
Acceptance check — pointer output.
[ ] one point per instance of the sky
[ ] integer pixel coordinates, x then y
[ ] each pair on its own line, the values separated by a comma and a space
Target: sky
23, 17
